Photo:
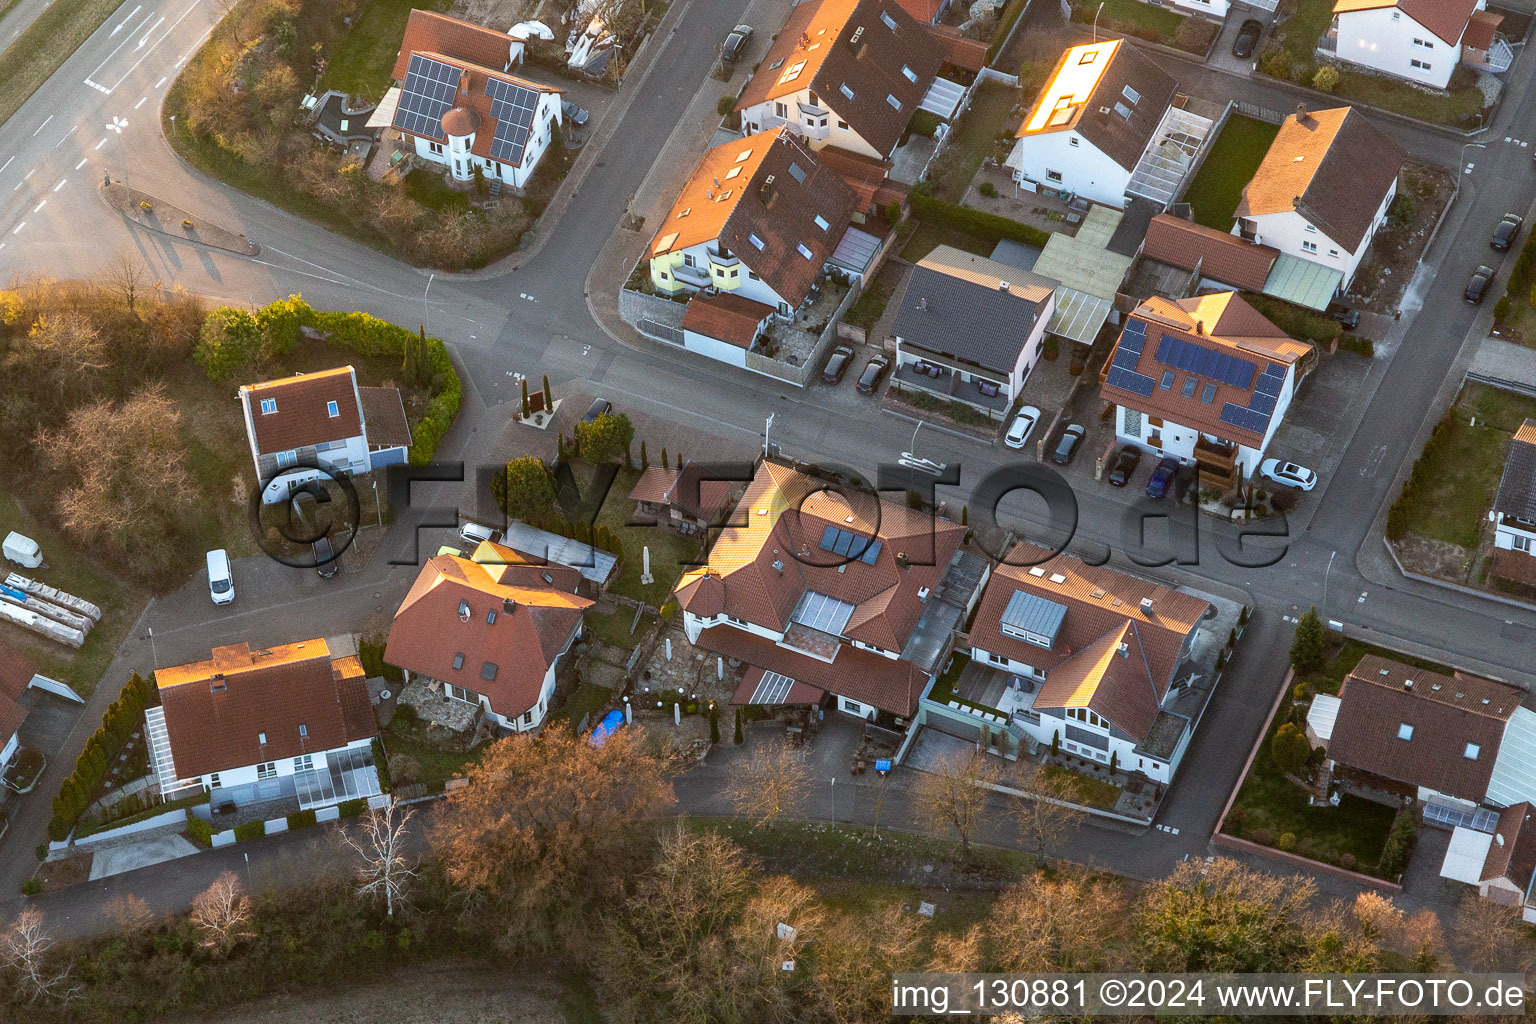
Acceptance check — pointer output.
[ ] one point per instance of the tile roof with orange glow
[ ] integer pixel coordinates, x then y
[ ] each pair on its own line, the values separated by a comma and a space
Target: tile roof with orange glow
1110, 93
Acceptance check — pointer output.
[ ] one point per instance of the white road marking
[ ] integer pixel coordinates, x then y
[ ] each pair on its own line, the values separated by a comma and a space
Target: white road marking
163, 37
43, 125
125, 21
149, 33
103, 142
81, 163
139, 104
29, 174
90, 79
65, 139
60, 184
161, 82
7, 163
39, 206
19, 227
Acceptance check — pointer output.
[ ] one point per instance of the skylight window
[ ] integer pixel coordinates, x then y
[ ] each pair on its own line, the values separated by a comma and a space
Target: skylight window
332, 410
732, 173
893, 101
268, 406
803, 251
1189, 386
845, 90
908, 73
724, 196
664, 242
1131, 94
1405, 731
1089, 57
890, 22
685, 211
1208, 393
757, 243
1472, 751
821, 222
743, 155
792, 72
1123, 110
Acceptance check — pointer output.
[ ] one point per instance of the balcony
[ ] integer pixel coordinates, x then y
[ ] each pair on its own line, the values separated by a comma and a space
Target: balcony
951, 386
1218, 462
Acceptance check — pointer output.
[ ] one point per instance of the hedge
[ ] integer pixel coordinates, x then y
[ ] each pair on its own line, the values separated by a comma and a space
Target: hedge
925, 123
352, 808
369, 336
975, 222
122, 716
1004, 25
143, 815
1298, 323
381, 764
1520, 281
301, 819
200, 831
250, 830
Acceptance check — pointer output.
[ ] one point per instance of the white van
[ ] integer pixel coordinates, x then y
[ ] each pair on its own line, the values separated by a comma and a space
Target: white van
473, 533
221, 583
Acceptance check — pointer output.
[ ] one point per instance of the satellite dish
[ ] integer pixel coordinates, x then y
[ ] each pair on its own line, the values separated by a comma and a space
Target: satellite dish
384, 695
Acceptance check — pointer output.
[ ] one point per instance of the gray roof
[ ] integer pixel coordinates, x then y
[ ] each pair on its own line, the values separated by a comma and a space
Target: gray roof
1517, 488
1032, 613
956, 304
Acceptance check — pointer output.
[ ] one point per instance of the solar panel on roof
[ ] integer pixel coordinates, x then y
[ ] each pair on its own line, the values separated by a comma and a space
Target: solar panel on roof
871, 553
1263, 404
844, 542
1247, 419
1126, 358
512, 106
425, 96
1130, 380
828, 537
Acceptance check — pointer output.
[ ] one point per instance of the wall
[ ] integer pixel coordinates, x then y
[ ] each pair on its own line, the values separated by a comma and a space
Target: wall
1085, 169
764, 117
1383, 39
713, 348
1504, 536
176, 818
1216, 8
1177, 440
1287, 231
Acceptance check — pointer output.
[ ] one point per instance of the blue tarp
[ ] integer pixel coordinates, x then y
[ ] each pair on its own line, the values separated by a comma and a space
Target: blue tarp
612, 722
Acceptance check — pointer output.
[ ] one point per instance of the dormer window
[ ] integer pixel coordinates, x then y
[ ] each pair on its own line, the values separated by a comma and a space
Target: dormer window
268, 406
332, 410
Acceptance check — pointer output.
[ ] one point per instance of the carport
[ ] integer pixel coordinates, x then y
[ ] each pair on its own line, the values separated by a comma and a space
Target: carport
1095, 272
1302, 282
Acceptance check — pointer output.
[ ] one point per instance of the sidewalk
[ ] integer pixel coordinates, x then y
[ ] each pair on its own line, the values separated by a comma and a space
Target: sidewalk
653, 198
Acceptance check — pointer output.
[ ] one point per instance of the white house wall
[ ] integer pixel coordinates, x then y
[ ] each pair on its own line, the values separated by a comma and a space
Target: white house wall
548, 113
1508, 536
1177, 440
1085, 169
765, 116
666, 277
1383, 39
1287, 231
1214, 8
8, 752
714, 348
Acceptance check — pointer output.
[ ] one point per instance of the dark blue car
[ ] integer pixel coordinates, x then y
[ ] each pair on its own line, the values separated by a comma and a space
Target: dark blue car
1162, 477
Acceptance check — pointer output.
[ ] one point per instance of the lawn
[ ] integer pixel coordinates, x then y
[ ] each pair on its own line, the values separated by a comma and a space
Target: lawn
1236, 154
1302, 30
1128, 16
927, 237
428, 188
613, 629
1457, 475
870, 307
972, 139
406, 734
588, 700
671, 552
1087, 791
37, 53
362, 63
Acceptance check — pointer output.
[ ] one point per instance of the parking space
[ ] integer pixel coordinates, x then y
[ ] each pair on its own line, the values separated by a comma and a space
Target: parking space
1222, 56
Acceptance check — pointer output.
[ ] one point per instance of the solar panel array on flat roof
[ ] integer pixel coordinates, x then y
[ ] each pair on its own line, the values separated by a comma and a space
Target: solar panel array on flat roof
818, 611
1205, 362
772, 688
512, 106
853, 545
428, 92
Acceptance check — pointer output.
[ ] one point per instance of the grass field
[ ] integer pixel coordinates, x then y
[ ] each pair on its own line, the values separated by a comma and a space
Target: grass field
671, 552
363, 62
974, 138
437, 764
1236, 154
927, 237
586, 702
47, 43
1130, 14
1303, 29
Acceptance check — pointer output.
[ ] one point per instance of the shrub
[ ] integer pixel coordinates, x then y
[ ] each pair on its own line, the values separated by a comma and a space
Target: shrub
724, 105
1402, 211
351, 808
31, 887
924, 122
1399, 845
976, 222
199, 831
250, 830
1347, 861
301, 819
1326, 79
1289, 749
1276, 63
1262, 836
1287, 841
987, 189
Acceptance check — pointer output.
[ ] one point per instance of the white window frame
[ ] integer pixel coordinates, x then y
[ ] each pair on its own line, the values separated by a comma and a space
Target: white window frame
909, 74
332, 409
288, 459
266, 771
1053, 176
268, 406
304, 763
1309, 247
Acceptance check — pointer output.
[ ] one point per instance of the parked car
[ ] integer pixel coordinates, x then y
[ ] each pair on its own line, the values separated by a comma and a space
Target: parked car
1288, 473
473, 533
1067, 446
221, 582
735, 45
1504, 234
572, 114
601, 407
1124, 467
837, 364
1247, 38
869, 380
1162, 477
1478, 286
1022, 426
1350, 318
325, 558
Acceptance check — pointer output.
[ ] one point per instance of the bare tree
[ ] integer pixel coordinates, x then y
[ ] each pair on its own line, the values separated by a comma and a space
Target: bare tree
1073, 922
1488, 934
954, 794
128, 912
26, 949
770, 783
126, 275
1045, 812
222, 912
385, 870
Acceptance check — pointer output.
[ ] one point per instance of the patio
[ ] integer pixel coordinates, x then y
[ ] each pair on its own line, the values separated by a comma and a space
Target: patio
795, 342
994, 688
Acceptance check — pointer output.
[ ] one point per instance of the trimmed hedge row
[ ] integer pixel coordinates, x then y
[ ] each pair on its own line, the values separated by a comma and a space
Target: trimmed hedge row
975, 222
1397, 515
250, 830
143, 815
95, 761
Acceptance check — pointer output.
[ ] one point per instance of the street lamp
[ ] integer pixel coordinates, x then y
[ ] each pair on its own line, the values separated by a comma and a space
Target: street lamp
1096, 20
116, 126
426, 307
1326, 571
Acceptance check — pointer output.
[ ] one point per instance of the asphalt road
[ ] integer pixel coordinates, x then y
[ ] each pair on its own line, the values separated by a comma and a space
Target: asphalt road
535, 320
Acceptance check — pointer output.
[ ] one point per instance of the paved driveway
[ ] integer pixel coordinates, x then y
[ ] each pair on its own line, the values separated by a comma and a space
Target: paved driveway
1221, 57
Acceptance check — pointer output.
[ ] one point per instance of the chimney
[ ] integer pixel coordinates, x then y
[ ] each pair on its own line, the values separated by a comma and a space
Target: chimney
464, 81
853, 40
1125, 650
1200, 327
1146, 606
922, 303
766, 192
508, 605
1301, 114
1002, 285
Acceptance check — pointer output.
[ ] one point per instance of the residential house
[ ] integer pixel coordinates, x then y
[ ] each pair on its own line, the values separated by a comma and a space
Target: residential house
1322, 190
830, 595
302, 425
759, 219
689, 499
16, 674
1213, 9
1206, 380
461, 107
1514, 511
291, 722
489, 631
1101, 659
970, 329
925, 12
1106, 127
1216, 260
1498, 857
847, 74
1433, 737
1422, 41
725, 326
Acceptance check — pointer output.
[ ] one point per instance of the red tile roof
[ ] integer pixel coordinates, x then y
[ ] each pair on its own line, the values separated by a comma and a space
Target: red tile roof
1445, 18
302, 417
216, 711
1085, 667
16, 674
922, 10
1445, 712
506, 659
428, 31
473, 98
1220, 256
868, 678
1481, 30
822, 34
960, 51
726, 317
1222, 322
798, 692
653, 485
1516, 566
781, 519
1512, 854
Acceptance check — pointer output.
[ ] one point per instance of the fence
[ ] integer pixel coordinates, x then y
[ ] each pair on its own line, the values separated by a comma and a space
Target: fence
800, 375
1259, 113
